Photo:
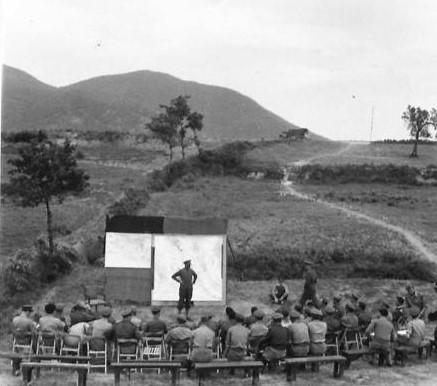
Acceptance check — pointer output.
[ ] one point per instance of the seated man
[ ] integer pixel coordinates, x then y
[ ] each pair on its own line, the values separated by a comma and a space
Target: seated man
317, 331
203, 338
413, 298
274, 344
279, 292
178, 335
299, 336
124, 329
331, 319
364, 316
156, 326
49, 323
350, 320
236, 340
384, 335
100, 327
251, 318
81, 312
416, 329
23, 322
400, 313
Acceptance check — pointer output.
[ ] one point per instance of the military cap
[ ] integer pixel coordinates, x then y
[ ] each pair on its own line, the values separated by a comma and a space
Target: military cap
258, 314
315, 312
126, 313
106, 312
276, 316
355, 296
181, 319
155, 309
80, 304
330, 310
27, 307
414, 311
187, 261
294, 314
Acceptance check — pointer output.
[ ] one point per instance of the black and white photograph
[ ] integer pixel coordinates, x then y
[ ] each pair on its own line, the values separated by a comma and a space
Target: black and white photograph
218, 192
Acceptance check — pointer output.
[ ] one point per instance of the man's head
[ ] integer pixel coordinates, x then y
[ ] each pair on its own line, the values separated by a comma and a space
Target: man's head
277, 317
259, 315
27, 308
187, 263
410, 289
383, 311
126, 314
350, 307
134, 310
106, 312
308, 264
50, 308
400, 300
239, 318
155, 310
204, 319
59, 308
362, 305
337, 298
229, 311
294, 315
253, 310
316, 314
414, 312
181, 319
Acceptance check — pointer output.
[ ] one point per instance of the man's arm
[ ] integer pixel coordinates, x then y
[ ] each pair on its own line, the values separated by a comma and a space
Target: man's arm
194, 277
175, 277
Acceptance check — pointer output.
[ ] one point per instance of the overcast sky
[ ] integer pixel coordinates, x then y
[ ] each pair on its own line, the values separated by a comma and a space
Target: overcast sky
321, 64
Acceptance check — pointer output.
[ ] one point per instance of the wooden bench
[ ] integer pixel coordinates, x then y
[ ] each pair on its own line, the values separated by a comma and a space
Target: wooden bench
203, 369
173, 366
352, 355
401, 352
16, 359
81, 369
293, 364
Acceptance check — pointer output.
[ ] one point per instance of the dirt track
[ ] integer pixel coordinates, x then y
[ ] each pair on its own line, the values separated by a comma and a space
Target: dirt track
287, 189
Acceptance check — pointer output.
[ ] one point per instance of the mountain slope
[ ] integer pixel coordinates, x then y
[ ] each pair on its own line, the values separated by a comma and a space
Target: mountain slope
127, 101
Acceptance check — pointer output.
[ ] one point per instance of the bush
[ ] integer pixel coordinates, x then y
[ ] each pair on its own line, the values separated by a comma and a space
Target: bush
132, 200
19, 274
351, 173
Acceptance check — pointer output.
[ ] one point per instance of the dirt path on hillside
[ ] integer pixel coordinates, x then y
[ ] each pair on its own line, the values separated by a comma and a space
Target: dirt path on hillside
287, 189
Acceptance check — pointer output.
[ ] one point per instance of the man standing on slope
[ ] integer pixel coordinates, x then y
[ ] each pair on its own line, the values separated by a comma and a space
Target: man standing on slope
309, 289
186, 277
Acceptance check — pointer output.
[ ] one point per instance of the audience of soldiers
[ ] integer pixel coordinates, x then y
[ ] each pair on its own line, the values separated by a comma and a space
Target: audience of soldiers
297, 331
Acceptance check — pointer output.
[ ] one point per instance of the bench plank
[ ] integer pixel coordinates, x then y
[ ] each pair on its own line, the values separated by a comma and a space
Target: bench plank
81, 369
204, 368
292, 365
118, 367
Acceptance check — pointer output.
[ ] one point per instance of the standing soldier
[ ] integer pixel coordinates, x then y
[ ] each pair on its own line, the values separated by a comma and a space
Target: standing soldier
309, 289
186, 277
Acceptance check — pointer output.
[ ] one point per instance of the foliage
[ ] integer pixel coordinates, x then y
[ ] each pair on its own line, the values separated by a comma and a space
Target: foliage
364, 173
130, 202
267, 262
18, 274
25, 136
43, 172
171, 125
419, 123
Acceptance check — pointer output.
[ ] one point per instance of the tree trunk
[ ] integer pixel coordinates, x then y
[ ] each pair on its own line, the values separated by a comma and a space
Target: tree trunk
416, 142
49, 228
183, 150
171, 154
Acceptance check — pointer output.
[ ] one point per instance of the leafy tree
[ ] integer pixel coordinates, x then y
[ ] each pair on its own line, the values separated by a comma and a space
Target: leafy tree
44, 172
172, 124
419, 123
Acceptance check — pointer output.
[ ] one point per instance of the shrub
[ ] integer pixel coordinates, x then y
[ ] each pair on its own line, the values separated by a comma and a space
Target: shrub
19, 274
132, 200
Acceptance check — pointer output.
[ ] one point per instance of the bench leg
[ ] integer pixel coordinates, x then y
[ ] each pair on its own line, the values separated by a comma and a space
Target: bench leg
255, 377
291, 373
338, 369
116, 378
174, 376
348, 362
202, 376
81, 378
16, 362
315, 367
27, 376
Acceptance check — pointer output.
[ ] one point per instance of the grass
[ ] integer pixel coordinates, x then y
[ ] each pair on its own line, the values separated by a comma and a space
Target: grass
412, 207
257, 213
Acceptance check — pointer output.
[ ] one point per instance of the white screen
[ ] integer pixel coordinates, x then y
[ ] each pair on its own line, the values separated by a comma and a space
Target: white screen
128, 250
205, 253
